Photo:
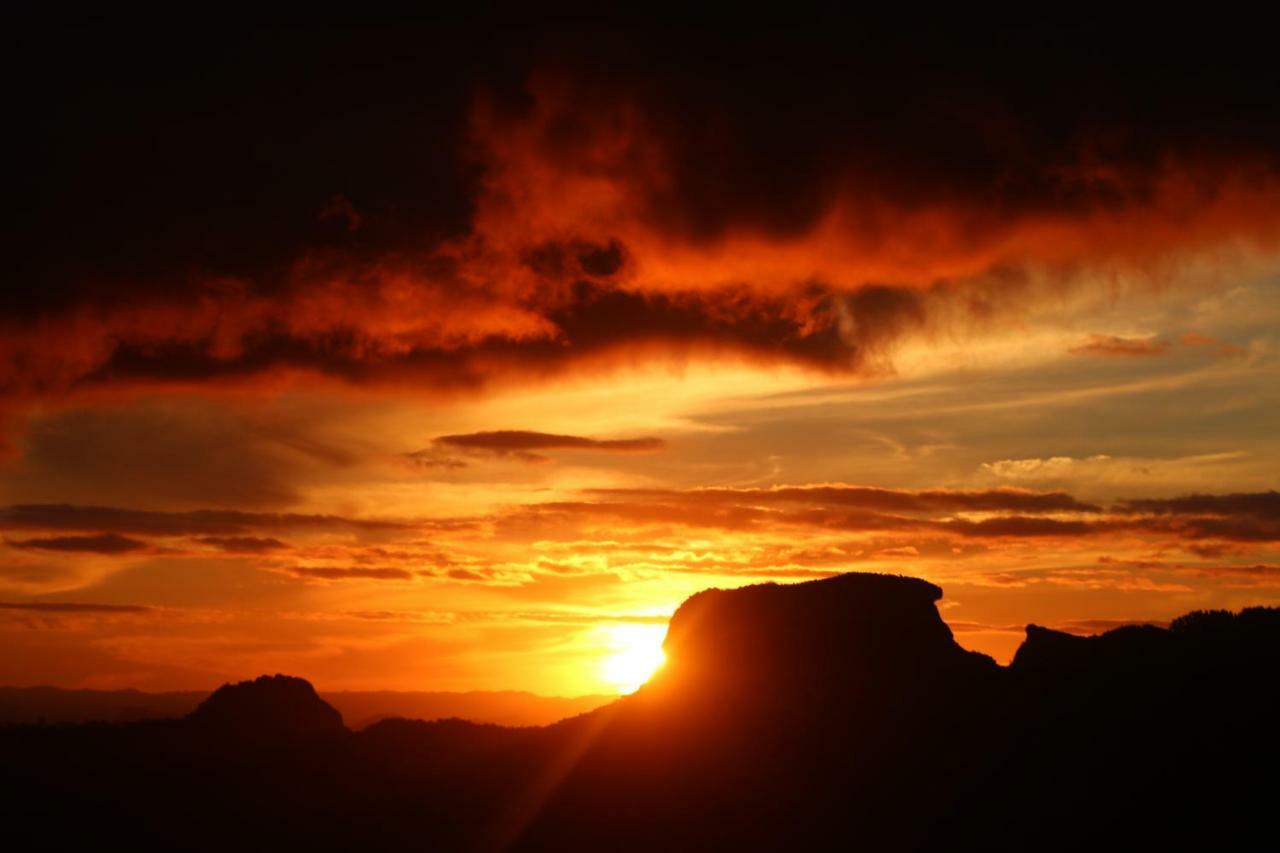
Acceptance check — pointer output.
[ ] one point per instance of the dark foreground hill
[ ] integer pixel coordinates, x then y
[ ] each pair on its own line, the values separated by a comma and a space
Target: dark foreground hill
833, 714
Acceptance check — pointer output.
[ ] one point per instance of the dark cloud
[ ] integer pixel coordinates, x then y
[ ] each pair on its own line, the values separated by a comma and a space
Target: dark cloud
1089, 627
1022, 526
571, 617
522, 444
890, 500
1239, 517
461, 205
411, 616
1009, 514
1231, 529
1242, 576
433, 457
358, 573
243, 544
103, 543
928, 515
567, 515
67, 607
993, 112
1209, 550
157, 453
511, 441
213, 522
340, 208
1261, 505
1084, 627
961, 626
584, 329
763, 572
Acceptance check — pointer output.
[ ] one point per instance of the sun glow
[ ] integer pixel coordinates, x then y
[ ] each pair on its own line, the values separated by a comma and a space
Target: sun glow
635, 654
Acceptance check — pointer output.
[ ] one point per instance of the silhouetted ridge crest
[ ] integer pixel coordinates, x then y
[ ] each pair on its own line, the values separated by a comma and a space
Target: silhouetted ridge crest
821, 636
1252, 622
1213, 638
837, 714
277, 705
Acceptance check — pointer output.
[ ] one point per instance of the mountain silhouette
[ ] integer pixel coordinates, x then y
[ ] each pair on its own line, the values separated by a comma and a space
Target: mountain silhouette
814, 642
833, 714
268, 706
359, 708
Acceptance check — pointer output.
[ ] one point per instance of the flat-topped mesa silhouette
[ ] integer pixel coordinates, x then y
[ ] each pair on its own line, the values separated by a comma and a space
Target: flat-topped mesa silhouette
270, 705
827, 637
783, 705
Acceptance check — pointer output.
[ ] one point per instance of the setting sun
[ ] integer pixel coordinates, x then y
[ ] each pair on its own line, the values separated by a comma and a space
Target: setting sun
635, 655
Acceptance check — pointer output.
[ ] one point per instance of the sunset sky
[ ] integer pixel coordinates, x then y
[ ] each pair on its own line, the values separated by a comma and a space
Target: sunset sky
455, 357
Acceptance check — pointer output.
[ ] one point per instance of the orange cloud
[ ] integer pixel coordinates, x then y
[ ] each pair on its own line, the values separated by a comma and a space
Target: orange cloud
1111, 345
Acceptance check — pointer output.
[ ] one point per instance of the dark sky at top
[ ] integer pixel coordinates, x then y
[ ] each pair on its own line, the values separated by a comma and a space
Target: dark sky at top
145, 153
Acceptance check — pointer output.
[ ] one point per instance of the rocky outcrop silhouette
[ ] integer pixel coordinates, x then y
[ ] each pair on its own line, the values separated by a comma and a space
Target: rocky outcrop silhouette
836, 682
834, 714
1216, 639
814, 640
268, 706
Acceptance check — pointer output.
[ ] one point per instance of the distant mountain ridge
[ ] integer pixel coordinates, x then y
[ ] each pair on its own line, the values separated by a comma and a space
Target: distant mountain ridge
834, 714
359, 708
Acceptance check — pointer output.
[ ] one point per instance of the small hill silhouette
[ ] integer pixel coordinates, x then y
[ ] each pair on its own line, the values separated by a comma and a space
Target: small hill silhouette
270, 705
832, 714
359, 708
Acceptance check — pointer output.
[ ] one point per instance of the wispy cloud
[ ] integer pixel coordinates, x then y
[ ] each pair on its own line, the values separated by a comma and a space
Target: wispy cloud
1118, 347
